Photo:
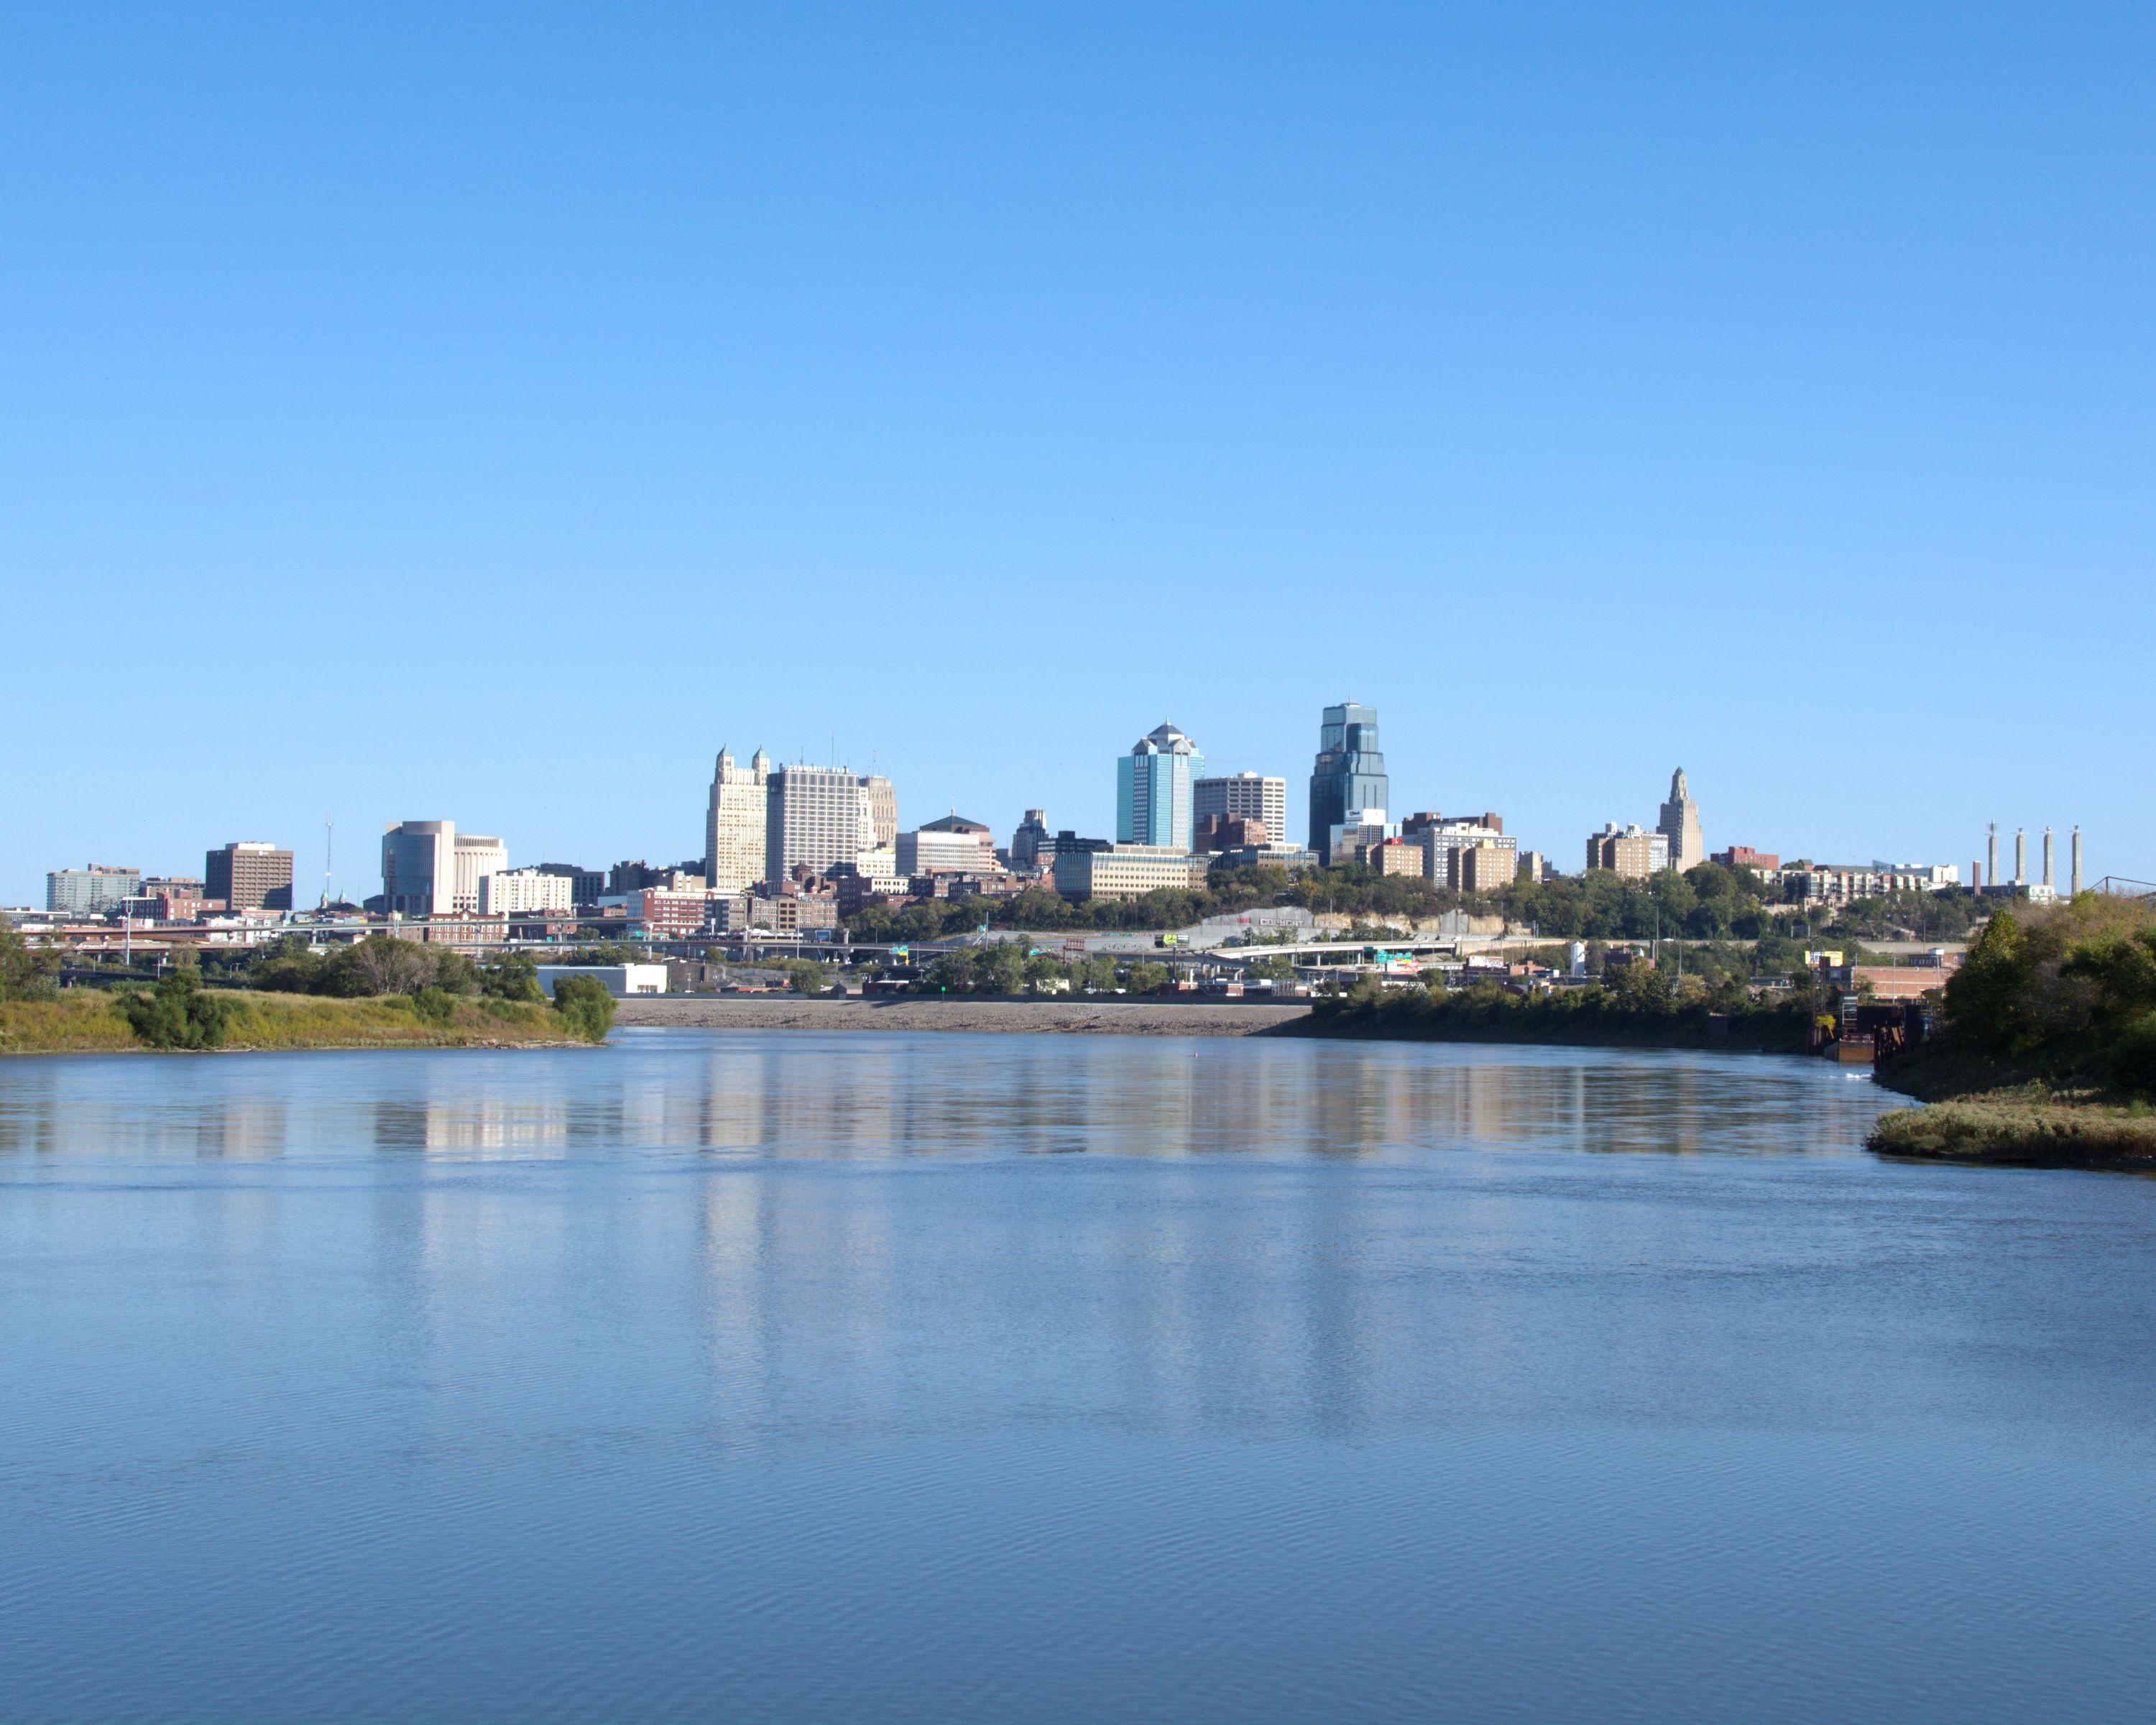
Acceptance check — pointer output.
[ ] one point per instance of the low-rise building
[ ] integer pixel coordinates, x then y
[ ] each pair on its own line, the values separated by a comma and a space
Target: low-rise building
92, 890
1440, 840
784, 913
952, 846
619, 980
1743, 856
1627, 852
1482, 868
1128, 871
553, 925
168, 901
854, 891
516, 892
1291, 857
1903, 982
666, 913
587, 886
1231, 832
250, 875
1841, 883
1350, 840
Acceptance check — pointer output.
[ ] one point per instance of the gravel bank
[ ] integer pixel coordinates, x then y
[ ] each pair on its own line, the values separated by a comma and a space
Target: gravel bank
1116, 1017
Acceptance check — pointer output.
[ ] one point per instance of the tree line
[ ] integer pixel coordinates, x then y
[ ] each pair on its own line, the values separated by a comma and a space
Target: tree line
2064, 994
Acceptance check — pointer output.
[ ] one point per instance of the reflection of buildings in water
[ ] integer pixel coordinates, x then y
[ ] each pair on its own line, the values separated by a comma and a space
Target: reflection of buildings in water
33, 1110
240, 1128
488, 1124
805, 1096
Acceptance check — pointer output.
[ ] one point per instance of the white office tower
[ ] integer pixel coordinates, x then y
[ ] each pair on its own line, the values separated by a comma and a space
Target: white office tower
736, 823
1245, 796
429, 869
819, 816
518, 892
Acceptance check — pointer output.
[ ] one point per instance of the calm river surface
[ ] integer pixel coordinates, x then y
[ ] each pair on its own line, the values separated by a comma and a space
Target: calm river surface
779, 1376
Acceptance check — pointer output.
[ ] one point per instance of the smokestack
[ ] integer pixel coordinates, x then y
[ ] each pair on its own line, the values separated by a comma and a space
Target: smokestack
2047, 858
1976, 877
1991, 856
2076, 854
2020, 856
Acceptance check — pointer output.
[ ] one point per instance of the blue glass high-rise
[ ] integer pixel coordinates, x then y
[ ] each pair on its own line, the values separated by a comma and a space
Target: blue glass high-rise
1349, 775
1155, 802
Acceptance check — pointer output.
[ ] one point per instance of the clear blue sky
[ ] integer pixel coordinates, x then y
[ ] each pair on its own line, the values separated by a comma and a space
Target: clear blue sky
486, 413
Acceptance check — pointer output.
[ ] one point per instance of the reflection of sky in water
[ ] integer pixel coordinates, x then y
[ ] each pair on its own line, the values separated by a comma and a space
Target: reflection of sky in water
787, 1376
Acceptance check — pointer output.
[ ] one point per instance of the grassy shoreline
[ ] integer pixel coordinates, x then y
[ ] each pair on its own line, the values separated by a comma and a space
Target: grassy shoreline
2010, 1115
85, 1022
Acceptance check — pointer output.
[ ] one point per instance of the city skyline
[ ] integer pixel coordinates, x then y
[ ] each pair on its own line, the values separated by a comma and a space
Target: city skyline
874, 811
1610, 394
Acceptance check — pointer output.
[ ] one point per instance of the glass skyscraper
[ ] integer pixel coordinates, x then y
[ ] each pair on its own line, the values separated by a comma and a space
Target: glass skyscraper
1154, 801
1349, 776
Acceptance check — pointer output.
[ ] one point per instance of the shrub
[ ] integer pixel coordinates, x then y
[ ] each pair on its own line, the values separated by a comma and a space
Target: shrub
178, 1013
516, 977
585, 1006
2133, 1056
436, 1006
25, 973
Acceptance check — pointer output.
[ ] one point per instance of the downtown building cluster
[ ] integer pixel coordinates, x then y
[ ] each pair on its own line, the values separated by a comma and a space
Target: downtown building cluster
794, 851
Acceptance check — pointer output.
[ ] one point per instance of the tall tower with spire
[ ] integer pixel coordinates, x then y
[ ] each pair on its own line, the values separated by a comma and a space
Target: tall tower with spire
1680, 824
734, 823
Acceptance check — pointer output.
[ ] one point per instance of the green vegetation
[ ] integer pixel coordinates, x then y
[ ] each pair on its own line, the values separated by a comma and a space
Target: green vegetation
378, 965
2048, 1051
90, 1020
379, 991
803, 976
611, 952
1948, 915
584, 1006
26, 972
1351, 891
1710, 903
2030, 1130
69, 1021
515, 978
1006, 967
178, 1013
1638, 1005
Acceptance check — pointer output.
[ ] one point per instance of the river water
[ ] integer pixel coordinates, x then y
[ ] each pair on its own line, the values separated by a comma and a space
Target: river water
779, 1376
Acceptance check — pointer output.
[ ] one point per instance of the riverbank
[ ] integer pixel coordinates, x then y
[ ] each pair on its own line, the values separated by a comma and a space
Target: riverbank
1045, 1015
2048, 1055
86, 1022
1563, 1021
1977, 1110
2021, 1129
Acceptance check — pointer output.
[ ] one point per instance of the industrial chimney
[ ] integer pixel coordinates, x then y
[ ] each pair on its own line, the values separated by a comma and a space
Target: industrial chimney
2048, 859
2020, 856
2076, 854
